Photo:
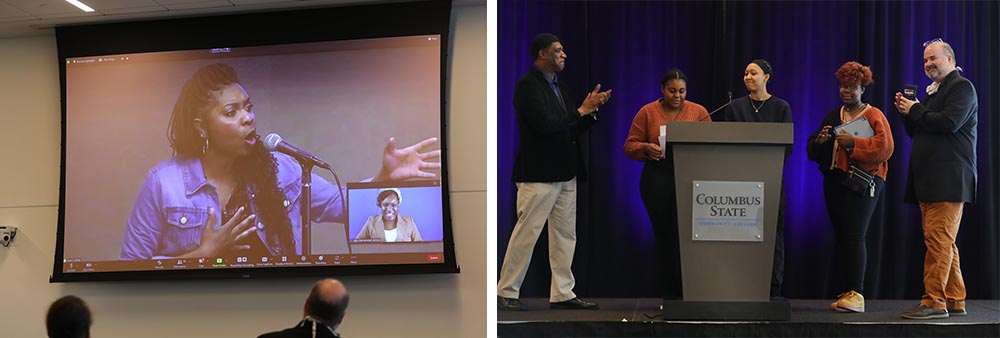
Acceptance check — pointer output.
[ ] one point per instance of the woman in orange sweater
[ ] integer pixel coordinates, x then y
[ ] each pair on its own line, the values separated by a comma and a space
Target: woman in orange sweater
851, 209
656, 185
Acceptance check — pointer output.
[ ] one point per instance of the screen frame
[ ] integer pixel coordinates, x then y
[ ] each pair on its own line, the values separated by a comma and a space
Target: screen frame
259, 29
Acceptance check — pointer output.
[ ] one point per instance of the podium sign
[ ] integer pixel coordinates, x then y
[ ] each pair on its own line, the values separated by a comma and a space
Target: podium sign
727, 211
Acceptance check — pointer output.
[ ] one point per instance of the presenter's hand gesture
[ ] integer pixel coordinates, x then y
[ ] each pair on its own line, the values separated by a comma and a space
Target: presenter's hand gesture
824, 135
845, 138
406, 163
653, 151
214, 241
594, 100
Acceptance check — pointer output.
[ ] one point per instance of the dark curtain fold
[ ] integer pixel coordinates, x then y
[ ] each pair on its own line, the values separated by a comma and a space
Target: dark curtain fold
627, 46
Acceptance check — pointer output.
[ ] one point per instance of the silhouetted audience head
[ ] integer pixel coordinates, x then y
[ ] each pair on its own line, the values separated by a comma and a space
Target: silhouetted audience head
68, 317
327, 302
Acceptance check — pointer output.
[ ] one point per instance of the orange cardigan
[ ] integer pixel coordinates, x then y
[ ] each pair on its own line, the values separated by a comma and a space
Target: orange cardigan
647, 122
871, 154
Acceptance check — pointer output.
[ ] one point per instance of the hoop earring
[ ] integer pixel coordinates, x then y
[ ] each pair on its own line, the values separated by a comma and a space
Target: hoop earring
205, 147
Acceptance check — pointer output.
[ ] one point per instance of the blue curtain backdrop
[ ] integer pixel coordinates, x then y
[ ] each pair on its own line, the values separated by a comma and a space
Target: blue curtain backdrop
627, 46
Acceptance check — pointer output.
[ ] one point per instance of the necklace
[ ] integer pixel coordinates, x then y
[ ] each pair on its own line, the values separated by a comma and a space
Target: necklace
756, 108
860, 108
848, 115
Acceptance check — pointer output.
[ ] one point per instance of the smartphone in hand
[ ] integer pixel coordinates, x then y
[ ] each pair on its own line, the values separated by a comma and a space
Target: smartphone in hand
910, 92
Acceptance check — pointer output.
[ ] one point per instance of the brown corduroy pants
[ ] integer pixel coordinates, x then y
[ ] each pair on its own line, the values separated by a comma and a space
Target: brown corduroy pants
943, 284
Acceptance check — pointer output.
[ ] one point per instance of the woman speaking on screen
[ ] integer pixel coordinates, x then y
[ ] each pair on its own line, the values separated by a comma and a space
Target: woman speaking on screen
223, 191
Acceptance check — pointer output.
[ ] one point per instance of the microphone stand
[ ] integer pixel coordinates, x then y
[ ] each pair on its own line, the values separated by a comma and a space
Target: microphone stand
305, 200
718, 109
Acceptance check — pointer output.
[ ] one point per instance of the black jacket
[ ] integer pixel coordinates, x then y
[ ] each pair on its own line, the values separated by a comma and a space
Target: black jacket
303, 330
821, 153
549, 134
943, 157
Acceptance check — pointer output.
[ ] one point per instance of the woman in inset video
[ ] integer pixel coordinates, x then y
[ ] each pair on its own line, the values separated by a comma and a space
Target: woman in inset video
221, 174
389, 225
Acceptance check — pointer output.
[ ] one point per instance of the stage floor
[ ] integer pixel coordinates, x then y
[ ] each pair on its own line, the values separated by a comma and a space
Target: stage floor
641, 318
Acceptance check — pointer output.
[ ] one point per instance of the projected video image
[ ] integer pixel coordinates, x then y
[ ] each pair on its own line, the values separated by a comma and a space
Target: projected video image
171, 162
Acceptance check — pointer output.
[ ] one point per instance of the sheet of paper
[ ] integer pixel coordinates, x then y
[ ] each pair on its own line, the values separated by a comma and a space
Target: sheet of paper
663, 137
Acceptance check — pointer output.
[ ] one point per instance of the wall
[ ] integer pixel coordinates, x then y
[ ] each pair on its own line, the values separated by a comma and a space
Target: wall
418, 305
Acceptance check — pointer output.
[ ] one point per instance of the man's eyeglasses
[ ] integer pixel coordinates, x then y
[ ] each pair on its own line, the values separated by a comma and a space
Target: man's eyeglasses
928, 42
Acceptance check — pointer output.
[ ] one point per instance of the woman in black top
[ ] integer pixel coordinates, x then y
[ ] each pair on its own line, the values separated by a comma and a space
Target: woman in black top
758, 105
761, 106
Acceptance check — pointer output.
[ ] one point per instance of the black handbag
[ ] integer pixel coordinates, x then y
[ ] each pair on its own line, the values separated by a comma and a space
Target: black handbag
860, 181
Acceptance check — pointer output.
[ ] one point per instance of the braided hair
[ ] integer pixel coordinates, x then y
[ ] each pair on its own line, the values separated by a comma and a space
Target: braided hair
256, 172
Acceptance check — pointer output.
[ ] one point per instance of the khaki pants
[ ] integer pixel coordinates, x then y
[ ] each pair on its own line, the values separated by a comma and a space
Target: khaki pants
536, 203
943, 284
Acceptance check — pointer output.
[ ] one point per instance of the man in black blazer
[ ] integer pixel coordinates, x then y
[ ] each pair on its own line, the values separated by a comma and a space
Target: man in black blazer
941, 175
548, 162
325, 308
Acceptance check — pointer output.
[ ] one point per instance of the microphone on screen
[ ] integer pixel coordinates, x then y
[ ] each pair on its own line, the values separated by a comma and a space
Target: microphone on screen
273, 142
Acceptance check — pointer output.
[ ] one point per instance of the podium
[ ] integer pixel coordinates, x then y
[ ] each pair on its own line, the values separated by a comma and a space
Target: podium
728, 179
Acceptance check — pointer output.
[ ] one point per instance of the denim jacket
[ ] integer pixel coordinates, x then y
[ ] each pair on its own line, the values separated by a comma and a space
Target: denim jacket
171, 210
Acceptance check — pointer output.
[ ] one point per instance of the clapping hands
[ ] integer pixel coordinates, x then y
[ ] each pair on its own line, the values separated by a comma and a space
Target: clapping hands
594, 100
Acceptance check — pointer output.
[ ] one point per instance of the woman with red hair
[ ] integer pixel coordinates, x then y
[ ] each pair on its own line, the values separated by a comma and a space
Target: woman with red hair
853, 161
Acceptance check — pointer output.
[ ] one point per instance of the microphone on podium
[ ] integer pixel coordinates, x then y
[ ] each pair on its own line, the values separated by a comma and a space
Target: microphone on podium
730, 95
